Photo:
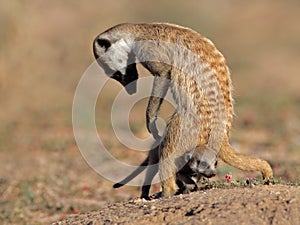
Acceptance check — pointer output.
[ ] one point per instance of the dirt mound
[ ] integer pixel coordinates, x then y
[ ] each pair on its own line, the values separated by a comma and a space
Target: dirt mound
274, 204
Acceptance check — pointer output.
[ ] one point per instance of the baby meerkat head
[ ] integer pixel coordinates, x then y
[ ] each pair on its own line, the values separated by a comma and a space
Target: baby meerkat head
202, 161
113, 52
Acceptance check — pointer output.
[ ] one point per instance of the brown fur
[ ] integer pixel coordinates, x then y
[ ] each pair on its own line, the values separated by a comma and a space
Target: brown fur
206, 84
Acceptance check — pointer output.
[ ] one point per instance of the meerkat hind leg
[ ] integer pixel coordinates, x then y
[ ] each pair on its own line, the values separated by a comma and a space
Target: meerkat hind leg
150, 173
167, 173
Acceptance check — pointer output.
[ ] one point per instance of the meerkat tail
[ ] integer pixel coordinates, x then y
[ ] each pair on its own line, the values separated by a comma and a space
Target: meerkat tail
136, 172
246, 163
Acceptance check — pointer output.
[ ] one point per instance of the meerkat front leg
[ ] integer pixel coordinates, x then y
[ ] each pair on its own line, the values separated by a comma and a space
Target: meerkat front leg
159, 91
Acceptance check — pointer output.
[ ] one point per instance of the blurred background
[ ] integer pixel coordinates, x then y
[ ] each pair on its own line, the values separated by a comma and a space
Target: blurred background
47, 45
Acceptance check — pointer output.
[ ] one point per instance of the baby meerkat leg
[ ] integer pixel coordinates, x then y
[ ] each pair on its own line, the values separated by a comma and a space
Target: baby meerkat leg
185, 184
181, 186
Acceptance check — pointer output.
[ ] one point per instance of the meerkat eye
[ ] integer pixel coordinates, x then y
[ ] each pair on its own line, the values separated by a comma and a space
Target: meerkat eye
104, 43
203, 164
216, 163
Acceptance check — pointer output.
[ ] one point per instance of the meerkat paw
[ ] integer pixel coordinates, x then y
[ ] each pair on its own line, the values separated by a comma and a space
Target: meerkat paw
145, 197
169, 191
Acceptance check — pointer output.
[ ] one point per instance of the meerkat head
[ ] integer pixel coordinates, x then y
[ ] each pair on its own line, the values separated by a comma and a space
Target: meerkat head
113, 52
202, 161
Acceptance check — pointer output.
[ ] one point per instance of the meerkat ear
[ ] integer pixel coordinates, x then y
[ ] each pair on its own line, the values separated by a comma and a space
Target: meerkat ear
103, 43
188, 156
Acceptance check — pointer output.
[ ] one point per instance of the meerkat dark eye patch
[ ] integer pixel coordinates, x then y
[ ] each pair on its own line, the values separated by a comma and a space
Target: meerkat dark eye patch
103, 43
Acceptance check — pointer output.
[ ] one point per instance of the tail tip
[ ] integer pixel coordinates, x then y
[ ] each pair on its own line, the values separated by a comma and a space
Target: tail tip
117, 185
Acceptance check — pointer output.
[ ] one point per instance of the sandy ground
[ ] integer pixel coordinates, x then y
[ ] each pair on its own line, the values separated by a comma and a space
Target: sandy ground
273, 204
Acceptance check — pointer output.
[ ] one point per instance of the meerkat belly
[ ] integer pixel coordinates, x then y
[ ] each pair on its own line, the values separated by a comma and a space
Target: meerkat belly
193, 110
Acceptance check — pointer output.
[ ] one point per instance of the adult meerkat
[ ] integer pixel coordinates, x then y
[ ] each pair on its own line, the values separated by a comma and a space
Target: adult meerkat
191, 166
196, 72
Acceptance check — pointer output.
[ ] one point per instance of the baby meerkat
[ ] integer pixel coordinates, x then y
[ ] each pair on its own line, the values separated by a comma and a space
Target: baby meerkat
190, 65
198, 163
